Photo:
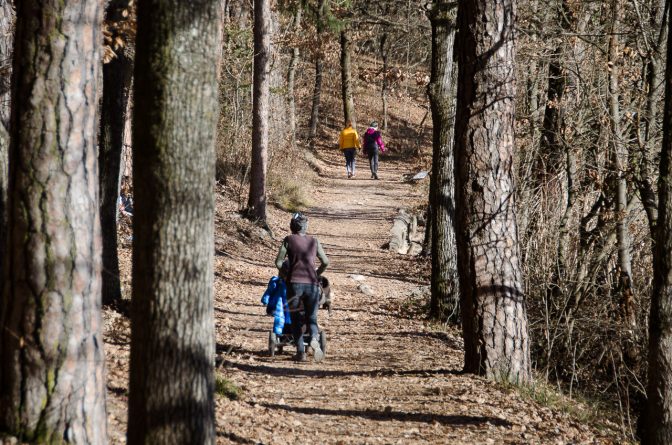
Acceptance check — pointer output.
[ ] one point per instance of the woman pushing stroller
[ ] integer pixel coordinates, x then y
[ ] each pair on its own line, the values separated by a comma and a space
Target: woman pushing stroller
303, 282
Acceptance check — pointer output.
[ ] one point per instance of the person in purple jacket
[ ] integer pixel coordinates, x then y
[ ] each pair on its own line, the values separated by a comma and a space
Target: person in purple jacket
303, 283
372, 144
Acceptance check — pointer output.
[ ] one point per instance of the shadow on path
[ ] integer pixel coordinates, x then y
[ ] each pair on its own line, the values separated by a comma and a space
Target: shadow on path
394, 415
323, 373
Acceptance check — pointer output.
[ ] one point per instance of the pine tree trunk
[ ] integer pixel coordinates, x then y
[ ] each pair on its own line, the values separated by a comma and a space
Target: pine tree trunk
346, 79
317, 90
116, 86
658, 417
492, 300
52, 369
445, 292
175, 117
291, 79
256, 202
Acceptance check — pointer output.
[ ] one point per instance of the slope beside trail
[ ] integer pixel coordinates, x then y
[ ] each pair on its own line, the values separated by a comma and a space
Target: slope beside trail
387, 377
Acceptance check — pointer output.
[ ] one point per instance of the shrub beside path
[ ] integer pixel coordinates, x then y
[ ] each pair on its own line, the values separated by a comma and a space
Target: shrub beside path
389, 376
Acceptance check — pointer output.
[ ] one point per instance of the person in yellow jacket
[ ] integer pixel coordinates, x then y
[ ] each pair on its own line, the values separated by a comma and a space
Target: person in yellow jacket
348, 142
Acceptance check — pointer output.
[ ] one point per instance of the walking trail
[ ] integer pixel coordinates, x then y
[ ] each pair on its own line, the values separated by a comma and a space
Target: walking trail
389, 377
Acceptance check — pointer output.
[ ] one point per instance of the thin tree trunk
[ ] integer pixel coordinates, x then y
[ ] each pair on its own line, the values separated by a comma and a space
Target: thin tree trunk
6, 46
620, 164
383, 89
442, 87
116, 86
551, 144
52, 368
346, 79
492, 300
317, 90
172, 323
658, 416
256, 203
291, 79
654, 69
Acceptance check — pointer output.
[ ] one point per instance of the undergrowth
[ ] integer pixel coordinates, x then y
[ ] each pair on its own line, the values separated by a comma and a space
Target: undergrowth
226, 388
288, 194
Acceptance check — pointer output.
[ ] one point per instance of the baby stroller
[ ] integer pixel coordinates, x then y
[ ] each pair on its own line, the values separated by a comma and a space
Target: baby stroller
276, 343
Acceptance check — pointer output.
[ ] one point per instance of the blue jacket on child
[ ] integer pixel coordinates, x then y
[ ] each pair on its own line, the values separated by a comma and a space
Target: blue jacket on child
275, 299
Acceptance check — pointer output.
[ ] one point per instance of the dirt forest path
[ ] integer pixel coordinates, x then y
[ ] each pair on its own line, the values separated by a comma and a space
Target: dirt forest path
387, 378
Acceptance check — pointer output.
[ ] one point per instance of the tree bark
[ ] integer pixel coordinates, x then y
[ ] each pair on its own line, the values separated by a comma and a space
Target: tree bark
52, 369
317, 90
117, 75
172, 319
444, 304
256, 203
492, 300
346, 79
658, 416
291, 79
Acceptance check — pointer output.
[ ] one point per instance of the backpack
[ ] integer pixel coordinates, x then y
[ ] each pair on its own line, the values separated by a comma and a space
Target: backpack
370, 142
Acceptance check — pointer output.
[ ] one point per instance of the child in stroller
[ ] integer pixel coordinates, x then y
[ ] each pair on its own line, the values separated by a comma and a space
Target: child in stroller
275, 299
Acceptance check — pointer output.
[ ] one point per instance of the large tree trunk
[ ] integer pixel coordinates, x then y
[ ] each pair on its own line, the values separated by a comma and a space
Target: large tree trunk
658, 418
116, 86
6, 46
175, 118
317, 89
445, 292
291, 79
256, 203
52, 372
492, 300
346, 79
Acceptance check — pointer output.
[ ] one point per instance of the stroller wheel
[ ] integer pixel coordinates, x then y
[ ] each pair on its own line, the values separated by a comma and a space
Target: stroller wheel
323, 342
272, 342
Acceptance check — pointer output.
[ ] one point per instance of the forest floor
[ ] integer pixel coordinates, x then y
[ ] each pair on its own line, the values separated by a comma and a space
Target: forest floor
389, 375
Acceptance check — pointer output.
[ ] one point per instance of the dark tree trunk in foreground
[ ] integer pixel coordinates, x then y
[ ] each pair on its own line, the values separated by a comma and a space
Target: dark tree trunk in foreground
52, 369
322, 6
445, 293
6, 46
658, 417
175, 118
291, 79
116, 86
256, 203
492, 301
346, 79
